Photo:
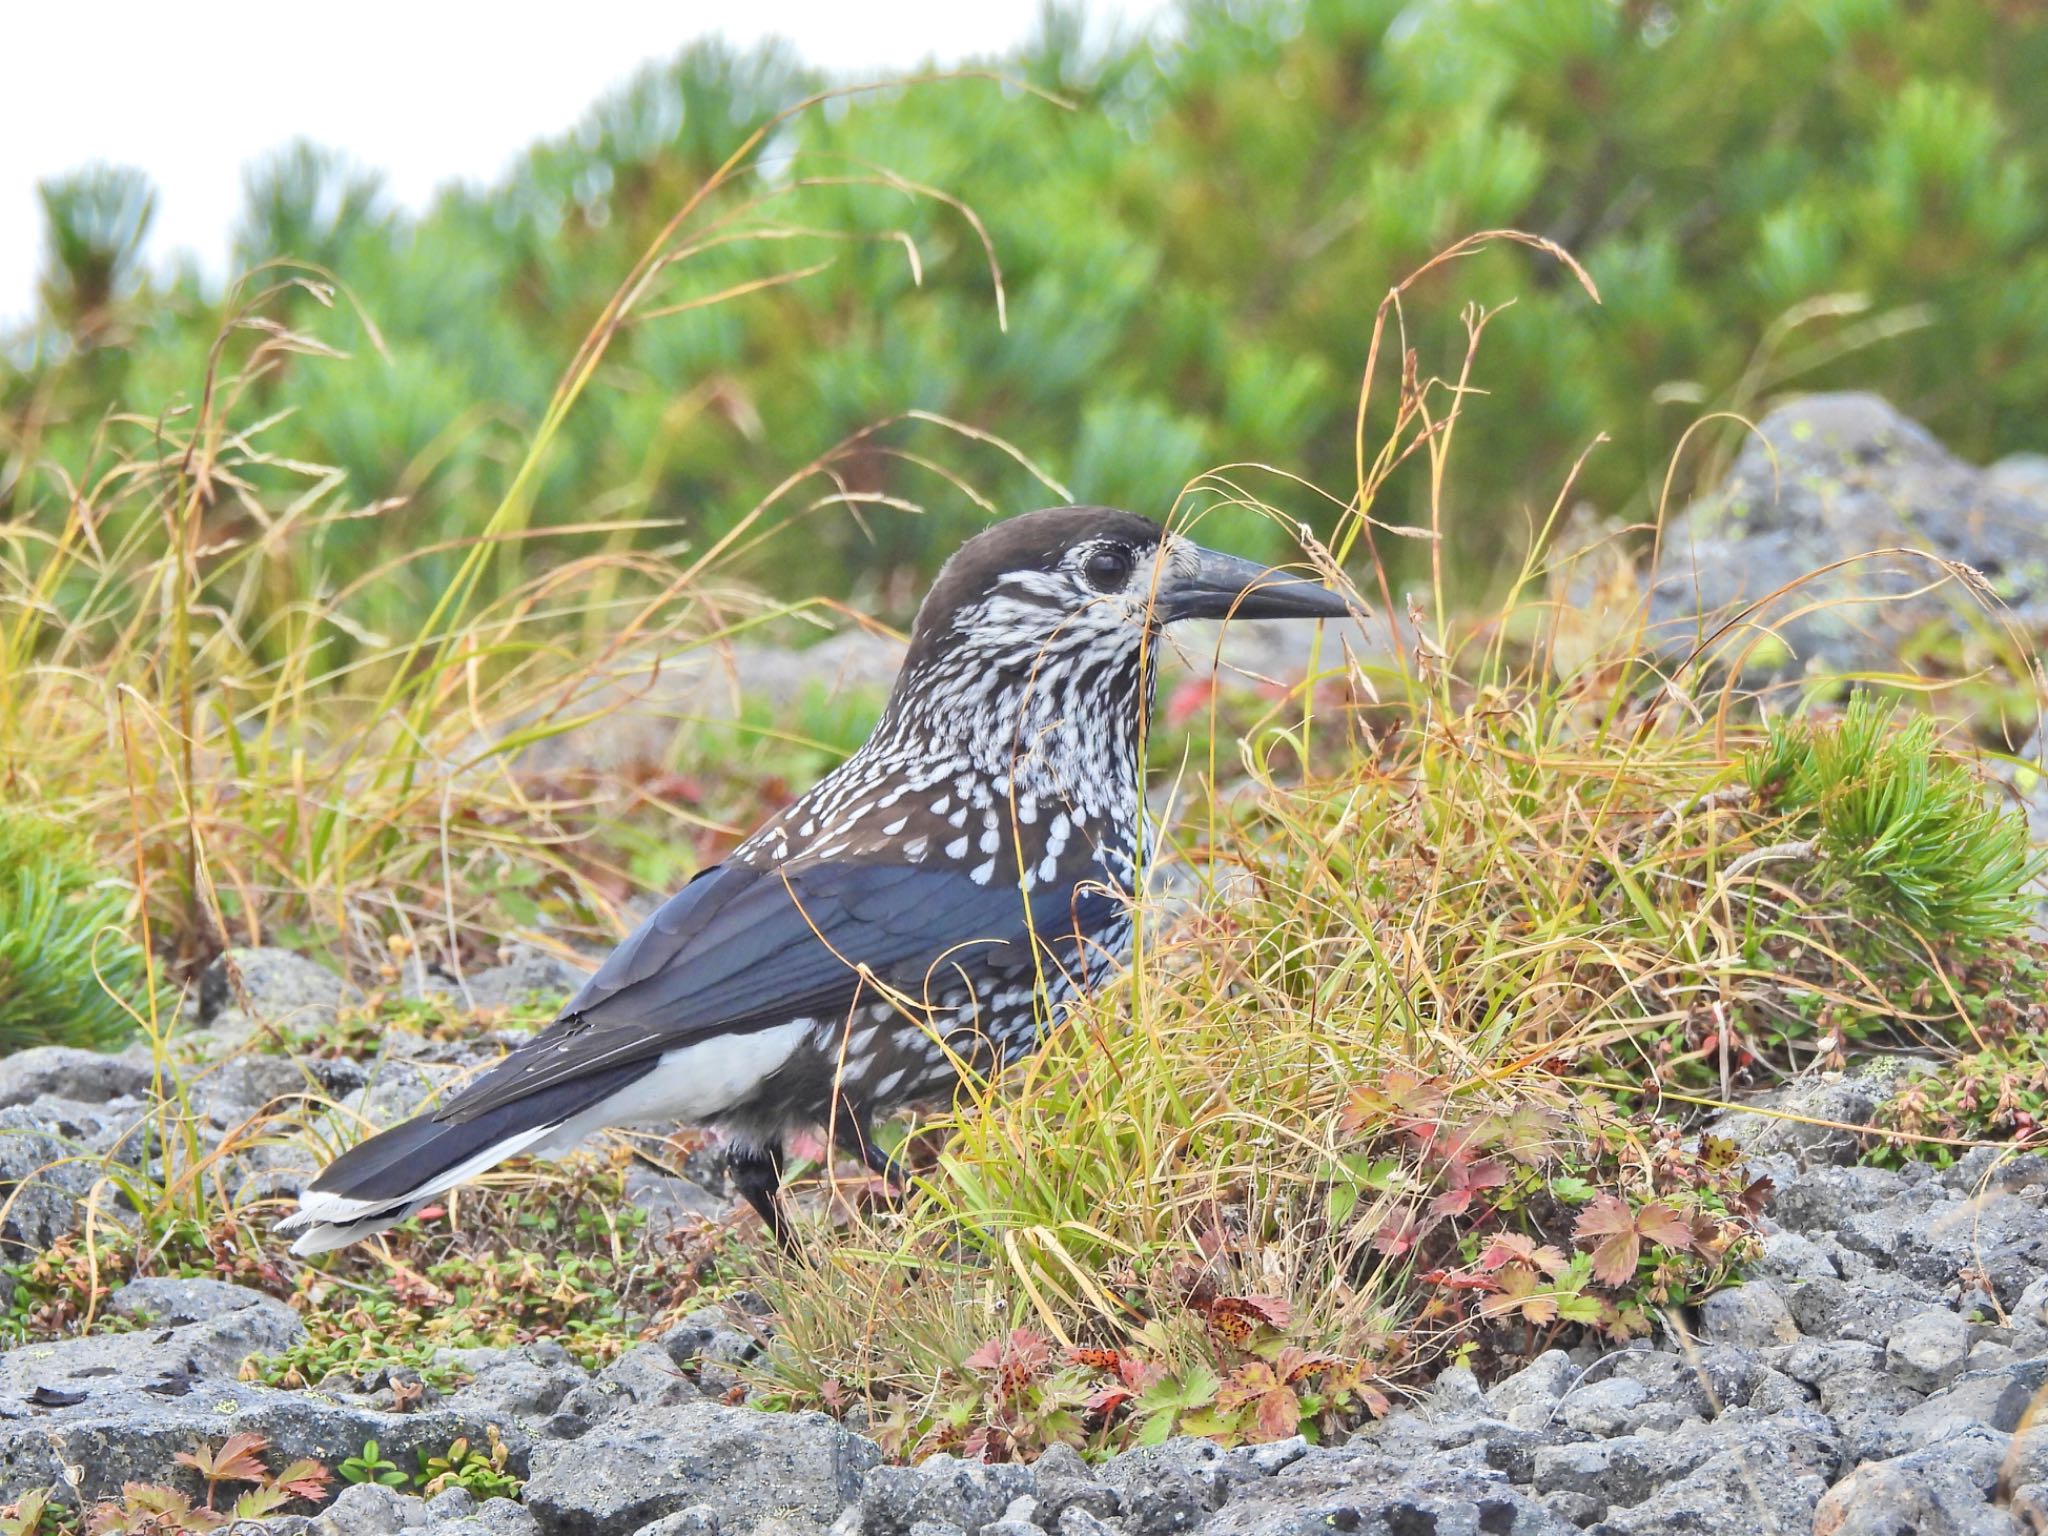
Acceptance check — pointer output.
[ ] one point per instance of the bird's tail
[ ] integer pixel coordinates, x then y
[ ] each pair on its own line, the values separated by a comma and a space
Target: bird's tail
381, 1181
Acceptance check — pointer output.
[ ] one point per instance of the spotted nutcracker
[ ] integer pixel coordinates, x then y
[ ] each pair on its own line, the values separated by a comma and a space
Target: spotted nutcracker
933, 905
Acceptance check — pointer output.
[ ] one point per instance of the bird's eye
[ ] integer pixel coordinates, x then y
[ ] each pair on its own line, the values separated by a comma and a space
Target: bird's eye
1108, 568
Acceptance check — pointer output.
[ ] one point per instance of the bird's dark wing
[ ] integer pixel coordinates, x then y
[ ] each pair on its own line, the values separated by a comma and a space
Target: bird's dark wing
741, 948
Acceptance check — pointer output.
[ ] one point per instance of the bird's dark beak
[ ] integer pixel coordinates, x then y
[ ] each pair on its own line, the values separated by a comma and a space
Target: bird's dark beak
1225, 587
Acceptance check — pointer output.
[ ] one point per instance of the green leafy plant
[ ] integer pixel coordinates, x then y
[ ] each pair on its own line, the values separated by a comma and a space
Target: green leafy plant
482, 1469
35, 1513
369, 1465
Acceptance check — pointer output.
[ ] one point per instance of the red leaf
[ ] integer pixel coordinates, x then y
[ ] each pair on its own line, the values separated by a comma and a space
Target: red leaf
1457, 1280
1017, 1358
1424, 1134
1487, 1173
1296, 1364
1519, 1292
1275, 1310
1238, 1318
1452, 1202
1604, 1217
1462, 1181
1400, 1232
239, 1459
1276, 1411
1529, 1134
1456, 1147
1374, 1399
1421, 1095
1139, 1375
1365, 1106
305, 1479
1505, 1248
1608, 1229
1279, 1414
1106, 1400
1659, 1223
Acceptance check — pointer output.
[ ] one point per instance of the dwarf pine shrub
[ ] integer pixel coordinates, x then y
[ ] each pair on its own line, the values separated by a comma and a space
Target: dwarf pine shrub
1906, 830
67, 962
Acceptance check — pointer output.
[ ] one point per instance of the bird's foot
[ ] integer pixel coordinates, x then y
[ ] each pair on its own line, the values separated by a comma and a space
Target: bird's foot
756, 1172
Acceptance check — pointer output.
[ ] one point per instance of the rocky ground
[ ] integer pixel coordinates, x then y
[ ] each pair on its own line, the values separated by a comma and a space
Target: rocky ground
1876, 1373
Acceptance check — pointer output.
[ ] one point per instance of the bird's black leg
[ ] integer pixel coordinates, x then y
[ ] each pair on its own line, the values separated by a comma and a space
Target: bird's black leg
756, 1172
854, 1130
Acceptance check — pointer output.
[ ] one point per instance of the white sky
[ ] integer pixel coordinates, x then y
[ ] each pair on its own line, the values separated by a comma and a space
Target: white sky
428, 91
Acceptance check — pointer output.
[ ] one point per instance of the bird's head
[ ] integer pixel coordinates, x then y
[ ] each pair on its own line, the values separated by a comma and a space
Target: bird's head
1078, 583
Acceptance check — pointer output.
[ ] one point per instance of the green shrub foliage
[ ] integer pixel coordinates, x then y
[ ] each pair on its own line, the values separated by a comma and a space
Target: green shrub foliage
1770, 195
67, 962
1910, 833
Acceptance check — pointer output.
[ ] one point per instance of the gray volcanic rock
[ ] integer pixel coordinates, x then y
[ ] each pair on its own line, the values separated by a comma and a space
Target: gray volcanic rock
1871, 1410
1996, 1398
696, 1520
1782, 1119
525, 1384
272, 986
1373, 1495
42, 1182
1731, 1494
1171, 1487
1945, 1490
1530, 1396
526, 975
746, 1467
1927, 1350
370, 1509
1832, 478
65, 1072
1067, 1484
164, 1299
119, 1407
1754, 1314
965, 1494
